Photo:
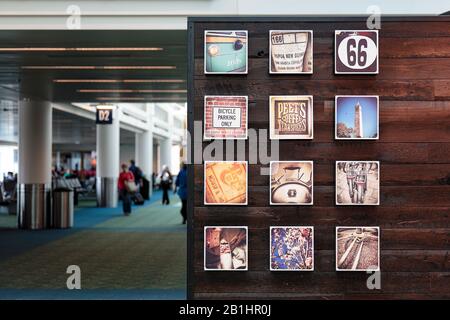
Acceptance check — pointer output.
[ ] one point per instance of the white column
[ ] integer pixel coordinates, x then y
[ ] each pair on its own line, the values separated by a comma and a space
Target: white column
58, 160
144, 149
35, 164
165, 145
108, 158
144, 156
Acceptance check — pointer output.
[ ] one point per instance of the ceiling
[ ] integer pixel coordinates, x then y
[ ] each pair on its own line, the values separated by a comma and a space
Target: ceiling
94, 66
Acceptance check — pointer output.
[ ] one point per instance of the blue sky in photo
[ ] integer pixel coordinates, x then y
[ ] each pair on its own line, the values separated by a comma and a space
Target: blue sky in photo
346, 113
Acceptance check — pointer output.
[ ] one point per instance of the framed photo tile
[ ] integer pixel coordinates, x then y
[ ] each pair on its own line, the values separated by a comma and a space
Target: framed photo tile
225, 117
357, 118
357, 248
291, 183
291, 51
291, 117
356, 52
291, 248
225, 183
358, 183
225, 248
226, 52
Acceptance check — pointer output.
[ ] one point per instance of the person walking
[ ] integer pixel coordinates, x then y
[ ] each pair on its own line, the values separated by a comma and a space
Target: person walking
137, 172
166, 184
181, 189
126, 184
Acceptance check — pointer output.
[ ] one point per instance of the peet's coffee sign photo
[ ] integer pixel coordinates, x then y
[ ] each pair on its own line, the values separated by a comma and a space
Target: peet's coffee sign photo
291, 117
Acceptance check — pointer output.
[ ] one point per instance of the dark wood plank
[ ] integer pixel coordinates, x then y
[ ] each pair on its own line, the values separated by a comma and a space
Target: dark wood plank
263, 217
391, 260
419, 90
262, 282
328, 153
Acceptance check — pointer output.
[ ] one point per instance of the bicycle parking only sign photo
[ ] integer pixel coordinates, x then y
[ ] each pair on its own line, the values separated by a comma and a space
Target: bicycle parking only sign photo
356, 52
104, 115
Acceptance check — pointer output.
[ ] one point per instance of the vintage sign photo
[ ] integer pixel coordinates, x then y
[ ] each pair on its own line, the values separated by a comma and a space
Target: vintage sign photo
291, 182
356, 51
291, 117
356, 118
225, 182
225, 117
357, 183
291, 51
291, 249
226, 249
226, 52
357, 248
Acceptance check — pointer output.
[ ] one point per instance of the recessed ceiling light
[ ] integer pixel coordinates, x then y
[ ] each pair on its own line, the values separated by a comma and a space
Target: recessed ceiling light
119, 98
118, 80
59, 49
131, 91
150, 99
59, 67
99, 67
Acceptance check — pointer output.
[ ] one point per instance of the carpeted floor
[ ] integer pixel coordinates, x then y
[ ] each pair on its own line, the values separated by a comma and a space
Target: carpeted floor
142, 256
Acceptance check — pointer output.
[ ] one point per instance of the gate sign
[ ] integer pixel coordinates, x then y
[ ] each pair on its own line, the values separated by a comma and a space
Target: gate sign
104, 115
356, 52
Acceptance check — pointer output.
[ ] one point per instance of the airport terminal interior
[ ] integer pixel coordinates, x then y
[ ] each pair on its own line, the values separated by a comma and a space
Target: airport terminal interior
58, 158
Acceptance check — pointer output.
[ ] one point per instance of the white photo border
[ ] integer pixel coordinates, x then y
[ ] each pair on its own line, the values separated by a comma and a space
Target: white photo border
205, 52
378, 52
225, 227
353, 96
291, 204
356, 204
336, 249
273, 136
225, 204
291, 270
205, 137
311, 32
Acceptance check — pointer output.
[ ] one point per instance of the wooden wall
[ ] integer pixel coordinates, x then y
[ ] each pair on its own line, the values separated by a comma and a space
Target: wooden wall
414, 151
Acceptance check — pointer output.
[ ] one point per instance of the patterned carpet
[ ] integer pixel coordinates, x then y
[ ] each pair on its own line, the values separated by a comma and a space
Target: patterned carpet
142, 256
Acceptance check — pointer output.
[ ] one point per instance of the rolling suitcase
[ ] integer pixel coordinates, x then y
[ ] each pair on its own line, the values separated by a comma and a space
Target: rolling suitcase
138, 199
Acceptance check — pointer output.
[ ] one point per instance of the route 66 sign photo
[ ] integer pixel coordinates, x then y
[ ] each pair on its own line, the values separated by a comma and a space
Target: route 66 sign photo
356, 52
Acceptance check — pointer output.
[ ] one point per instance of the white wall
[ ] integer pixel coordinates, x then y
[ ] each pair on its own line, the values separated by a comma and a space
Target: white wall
171, 14
8, 162
126, 153
175, 166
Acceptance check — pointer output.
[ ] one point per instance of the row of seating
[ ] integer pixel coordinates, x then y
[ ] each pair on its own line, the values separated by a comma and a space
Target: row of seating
8, 195
8, 191
71, 183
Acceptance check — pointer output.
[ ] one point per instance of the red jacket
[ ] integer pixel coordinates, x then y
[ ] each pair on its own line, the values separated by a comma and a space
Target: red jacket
125, 176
